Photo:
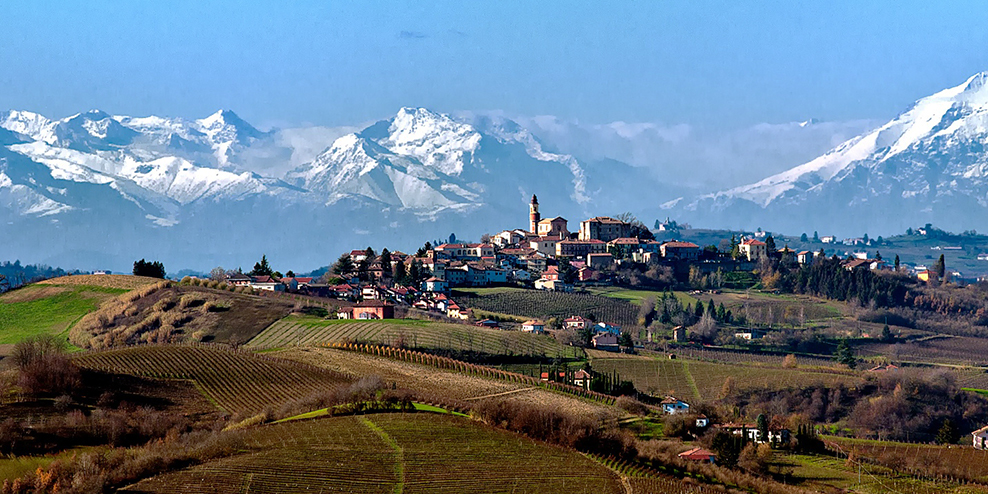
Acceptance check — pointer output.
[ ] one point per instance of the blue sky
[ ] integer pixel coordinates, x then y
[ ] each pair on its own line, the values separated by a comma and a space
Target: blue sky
335, 63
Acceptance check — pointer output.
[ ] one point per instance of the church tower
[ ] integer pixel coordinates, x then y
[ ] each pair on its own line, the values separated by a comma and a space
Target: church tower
533, 215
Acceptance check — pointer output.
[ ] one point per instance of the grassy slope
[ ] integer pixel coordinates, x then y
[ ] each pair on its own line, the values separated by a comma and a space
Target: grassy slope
38, 309
410, 333
393, 453
637, 296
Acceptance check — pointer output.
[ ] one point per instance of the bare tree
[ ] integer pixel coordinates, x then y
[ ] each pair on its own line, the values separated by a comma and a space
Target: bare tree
218, 274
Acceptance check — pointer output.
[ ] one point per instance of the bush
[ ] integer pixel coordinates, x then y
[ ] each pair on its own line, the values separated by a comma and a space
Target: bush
43, 367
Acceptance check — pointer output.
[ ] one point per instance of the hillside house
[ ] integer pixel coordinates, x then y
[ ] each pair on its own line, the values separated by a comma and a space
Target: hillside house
607, 342
603, 327
544, 245
672, 405
829, 239
435, 285
776, 433
679, 334
520, 275
472, 252
533, 326
699, 455
587, 274
805, 257
981, 438
702, 421
553, 285
582, 378
752, 249
603, 228
509, 238
682, 251
551, 273
369, 309
238, 279
750, 334
488, 323
623, 246
267, 283
576, 322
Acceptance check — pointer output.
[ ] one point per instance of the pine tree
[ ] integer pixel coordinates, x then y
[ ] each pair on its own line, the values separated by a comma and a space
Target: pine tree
770, 245
344, 265
804, 238
816, 236
887, 336
845, 355
940, 267
401, 274
386, 260
262, 268
948, 433
897, 262
698, 312
762, 424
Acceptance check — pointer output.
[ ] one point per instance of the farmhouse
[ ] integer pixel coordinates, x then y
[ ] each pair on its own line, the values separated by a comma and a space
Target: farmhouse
752, 249
698, 454
683, 251
370, 309
267, 283
533, 326
603, 327
435, 285
672, 405
576, 322
607, 342
981, 438
582, 378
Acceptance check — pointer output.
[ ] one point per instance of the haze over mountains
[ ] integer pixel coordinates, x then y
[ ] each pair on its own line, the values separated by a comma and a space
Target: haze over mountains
928, 164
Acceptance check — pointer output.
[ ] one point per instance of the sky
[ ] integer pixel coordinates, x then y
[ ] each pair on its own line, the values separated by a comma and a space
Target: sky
710, 64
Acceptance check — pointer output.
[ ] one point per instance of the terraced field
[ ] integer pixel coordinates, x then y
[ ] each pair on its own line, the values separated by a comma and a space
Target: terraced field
412, 333
687, 379
238, 382
387, 453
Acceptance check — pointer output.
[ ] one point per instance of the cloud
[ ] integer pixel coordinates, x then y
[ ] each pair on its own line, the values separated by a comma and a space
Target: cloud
709, 159
412, 35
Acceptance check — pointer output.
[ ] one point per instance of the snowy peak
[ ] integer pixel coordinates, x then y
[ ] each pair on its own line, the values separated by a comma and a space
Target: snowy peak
435, 139
224, 125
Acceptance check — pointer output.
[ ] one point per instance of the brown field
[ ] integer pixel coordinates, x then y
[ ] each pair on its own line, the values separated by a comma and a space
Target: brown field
387, 453
238, 382
119, 281
958, 350
957, 462
438, 382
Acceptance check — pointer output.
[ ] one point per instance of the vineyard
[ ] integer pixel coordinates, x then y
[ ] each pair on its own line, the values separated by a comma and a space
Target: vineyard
690, 379
743, 357
953, 463
961, 350
308, 330
390, 453
237, 381
545, 304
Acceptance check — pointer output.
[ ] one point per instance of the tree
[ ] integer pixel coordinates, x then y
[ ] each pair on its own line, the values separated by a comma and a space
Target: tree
770, 245
290, 274
887, 335
626, 340
762, 423
151, 269
218, 274
343, 265
845, 355
878, 255
804, 238
816, 236
401, 274
386, 260
262, 268
940, 267
865, 238
909, 231
371, 255
948, 433
897, 262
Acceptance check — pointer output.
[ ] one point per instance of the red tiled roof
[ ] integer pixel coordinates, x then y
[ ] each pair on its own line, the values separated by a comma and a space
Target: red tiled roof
696, 454
682, 245
752, 241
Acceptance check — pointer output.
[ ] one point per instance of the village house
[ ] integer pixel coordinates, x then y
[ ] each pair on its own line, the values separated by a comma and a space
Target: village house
702, 421
533, 326
599, 261
488, 323
699, 455
679, 334
553, 285
829, 239
805, 257
603, 327
623, 246
508, 238
981, 438
576, 322
750, 334
358, 255
582, 378
776, 433
267, 283
551, 273
473, 252
435, 284
671, 405
580, 248
238, 279
587, 274
606, 341
752, 249
544, 245
682, 251
553, 227
603, 228
369, 309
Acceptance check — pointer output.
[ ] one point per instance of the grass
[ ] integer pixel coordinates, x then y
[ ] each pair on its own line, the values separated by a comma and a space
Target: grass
982, 392
412, 333
638, 296
387, 453
324, 412
826, 474
47, 308
115, 281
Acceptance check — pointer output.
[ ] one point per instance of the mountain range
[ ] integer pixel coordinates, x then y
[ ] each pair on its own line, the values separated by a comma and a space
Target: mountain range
96, 190
927, 165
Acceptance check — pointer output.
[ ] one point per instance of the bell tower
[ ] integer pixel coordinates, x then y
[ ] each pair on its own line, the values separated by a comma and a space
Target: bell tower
533, 215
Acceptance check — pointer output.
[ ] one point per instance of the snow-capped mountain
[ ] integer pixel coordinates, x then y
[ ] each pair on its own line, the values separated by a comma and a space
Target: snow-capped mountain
191, 189
928, 164
429, 161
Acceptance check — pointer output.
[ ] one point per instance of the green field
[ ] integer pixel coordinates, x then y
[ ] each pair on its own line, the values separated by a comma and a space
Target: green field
691, 379
410, 333
638, 296
387, 453
38, 309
